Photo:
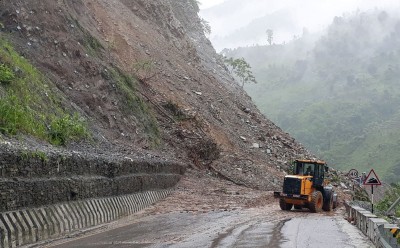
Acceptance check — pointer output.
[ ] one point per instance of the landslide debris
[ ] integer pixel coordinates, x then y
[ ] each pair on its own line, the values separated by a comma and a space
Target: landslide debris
147, 80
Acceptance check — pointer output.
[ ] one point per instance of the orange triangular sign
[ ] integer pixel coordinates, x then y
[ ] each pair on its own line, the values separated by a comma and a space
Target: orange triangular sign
372, 179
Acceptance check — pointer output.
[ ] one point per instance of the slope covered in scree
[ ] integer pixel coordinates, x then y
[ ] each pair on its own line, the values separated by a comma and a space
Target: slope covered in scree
146, 81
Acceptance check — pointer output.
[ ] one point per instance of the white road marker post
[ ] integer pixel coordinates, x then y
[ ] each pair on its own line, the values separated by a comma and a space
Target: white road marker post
372, 197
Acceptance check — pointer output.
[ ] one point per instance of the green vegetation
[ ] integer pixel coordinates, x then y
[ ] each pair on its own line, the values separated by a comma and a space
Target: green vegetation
16, 117
26, 155
6, 74
195, 4
176, 111
335, 178
337, 94
361, 195
241, 69
144, 69
28, 104
206, 26
92, 45
133, 105
390, 197
66, 128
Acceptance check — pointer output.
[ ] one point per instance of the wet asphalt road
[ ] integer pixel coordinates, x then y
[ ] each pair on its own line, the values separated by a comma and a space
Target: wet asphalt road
322, 231
240, 228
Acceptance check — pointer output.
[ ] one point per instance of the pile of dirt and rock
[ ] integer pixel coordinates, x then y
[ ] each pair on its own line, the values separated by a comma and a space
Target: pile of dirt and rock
148, 81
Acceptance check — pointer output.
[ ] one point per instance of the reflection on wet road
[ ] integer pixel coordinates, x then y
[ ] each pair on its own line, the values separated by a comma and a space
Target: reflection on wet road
322, 231
240, 228
255, 234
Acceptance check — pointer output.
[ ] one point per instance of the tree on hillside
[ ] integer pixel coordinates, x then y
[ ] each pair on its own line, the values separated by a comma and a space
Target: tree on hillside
195, 4
206, 27
270, 36
241, 69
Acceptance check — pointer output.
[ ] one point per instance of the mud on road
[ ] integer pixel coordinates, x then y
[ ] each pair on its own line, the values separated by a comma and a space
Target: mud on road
205, 211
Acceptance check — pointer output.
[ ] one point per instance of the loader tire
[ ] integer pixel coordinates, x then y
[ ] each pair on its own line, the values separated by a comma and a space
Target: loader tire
316, 202
335, 201
285, 206
328, 203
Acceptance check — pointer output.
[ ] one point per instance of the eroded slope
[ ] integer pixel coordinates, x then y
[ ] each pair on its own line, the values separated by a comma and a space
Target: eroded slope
147, 80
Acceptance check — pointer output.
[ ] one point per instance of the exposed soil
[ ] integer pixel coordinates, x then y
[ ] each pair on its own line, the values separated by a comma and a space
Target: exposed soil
235, 156
211, 205
206, 121
203, 191
187, 88
200, 191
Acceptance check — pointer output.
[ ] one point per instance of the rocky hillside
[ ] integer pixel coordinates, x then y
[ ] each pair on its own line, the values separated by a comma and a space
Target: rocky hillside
132, 77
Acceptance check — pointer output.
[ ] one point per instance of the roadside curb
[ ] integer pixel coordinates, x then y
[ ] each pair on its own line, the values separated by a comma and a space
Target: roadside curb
379, 231
32, 225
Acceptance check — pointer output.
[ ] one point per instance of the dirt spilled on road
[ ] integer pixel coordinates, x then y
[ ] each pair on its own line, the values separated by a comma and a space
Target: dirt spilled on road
205, 211
203, 191
277, 237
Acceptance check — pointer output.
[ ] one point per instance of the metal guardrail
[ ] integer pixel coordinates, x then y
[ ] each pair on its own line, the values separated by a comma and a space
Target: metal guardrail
379, 231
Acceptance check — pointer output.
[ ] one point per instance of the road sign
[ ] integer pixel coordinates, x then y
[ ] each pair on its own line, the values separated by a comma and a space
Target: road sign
353, 173
372, 179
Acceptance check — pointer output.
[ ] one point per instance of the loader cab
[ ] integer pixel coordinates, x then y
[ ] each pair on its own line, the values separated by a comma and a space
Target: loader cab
314, 168
307, 187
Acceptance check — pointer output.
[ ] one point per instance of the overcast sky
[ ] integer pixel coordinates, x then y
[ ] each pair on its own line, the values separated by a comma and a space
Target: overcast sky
315, 15
204, 4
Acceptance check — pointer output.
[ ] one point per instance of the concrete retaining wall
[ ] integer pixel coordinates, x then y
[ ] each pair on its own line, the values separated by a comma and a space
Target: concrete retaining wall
36, 192
33, 225
379, 231
36, 178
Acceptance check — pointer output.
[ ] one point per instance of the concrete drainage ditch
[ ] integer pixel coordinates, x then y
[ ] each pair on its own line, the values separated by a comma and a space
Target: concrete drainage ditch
48, 195
30, 226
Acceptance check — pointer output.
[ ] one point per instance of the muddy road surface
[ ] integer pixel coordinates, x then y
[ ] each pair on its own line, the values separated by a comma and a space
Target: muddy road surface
258, 227
208, 212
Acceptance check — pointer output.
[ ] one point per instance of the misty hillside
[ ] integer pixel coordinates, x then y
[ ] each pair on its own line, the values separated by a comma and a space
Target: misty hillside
131, 77
255, 32
339, 95
238, 23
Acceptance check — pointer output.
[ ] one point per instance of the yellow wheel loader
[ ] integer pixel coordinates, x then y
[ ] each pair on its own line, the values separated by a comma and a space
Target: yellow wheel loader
308, 187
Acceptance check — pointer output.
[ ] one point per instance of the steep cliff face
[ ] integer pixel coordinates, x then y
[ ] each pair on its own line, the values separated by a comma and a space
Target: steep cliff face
147, 80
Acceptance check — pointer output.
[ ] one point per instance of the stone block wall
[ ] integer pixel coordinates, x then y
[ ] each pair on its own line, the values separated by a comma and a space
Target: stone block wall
35, 178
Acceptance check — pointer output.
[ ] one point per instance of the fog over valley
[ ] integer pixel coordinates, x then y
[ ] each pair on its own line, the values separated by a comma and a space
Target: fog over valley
241, 23
327, 72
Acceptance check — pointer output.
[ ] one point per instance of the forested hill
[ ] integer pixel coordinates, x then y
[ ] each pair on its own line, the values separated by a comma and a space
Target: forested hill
338, 94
